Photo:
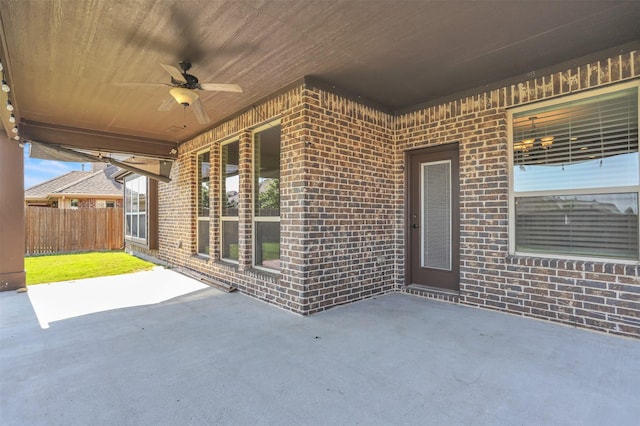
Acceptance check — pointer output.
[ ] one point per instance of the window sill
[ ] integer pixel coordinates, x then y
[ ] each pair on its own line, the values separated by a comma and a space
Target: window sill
235, 266
270, 273
202, 257
137, 241
611, 266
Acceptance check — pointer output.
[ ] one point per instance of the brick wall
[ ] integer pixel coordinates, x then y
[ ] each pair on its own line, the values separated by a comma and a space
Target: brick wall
342, 205
178, 198
349, 241
90, 203
595, 295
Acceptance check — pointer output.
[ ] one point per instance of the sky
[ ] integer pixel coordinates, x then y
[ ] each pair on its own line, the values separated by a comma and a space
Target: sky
37, 171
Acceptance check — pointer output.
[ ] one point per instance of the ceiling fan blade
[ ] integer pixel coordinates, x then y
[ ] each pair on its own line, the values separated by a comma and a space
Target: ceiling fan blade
200, 112
174, 72
220, 87
143, 84
167, 104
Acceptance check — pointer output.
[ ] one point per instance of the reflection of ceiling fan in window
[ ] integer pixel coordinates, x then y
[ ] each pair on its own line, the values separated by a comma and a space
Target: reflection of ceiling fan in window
184, 90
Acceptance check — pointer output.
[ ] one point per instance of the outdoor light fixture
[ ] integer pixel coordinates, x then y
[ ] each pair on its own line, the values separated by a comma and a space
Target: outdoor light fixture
184, 97
5, 86
9, 105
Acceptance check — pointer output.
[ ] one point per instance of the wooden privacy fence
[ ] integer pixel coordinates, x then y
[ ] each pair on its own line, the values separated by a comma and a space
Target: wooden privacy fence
50, 230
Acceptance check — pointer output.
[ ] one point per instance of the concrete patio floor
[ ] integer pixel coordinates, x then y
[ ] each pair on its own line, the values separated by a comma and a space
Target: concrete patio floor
206, 357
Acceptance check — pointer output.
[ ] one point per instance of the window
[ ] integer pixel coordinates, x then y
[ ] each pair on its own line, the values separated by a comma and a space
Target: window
576, 176
135, 207
203, 202
110, 204
230, 187
74, 203
267, 197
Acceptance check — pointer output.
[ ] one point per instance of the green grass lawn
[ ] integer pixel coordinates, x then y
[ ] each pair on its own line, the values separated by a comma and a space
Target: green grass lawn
66, 267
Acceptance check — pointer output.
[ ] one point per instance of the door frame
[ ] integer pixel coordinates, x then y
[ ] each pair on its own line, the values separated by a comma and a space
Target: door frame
455, 225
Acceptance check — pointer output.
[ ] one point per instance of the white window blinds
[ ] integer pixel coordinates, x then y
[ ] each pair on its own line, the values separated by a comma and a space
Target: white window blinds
591, 143
576, 176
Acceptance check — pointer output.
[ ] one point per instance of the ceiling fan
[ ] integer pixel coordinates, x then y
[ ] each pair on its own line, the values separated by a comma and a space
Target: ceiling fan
184, 86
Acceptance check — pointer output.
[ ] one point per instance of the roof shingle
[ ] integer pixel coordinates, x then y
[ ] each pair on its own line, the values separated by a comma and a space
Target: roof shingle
78, 183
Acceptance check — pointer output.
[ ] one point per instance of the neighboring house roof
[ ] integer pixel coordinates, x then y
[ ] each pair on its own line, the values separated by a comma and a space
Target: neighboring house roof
93, 183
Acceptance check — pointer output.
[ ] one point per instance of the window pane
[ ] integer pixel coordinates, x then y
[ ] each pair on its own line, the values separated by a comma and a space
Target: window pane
268, 245
619, 170
230, 240
142, 203
127, 197
134, 225
586, 143
135, 206
598, 225
203, 184
127, 231
142, 226
230, 164
267, 167
435, 189
203, 237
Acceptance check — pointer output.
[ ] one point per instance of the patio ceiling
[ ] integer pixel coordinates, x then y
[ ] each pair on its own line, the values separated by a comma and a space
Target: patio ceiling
63, 58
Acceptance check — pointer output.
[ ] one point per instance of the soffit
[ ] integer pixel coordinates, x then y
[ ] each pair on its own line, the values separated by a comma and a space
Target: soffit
64, 58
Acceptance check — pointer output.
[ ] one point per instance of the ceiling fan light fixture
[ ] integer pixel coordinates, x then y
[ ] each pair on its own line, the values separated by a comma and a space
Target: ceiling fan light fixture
547, 141
183, 96
528, 143
9, 105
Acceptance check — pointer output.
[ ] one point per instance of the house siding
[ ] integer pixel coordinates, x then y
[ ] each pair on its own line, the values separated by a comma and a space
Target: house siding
343, 197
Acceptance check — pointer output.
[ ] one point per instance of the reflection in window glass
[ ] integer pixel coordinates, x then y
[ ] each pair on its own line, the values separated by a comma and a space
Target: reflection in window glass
267, 197
203, 187
267, 175
203, 202
230, 164
267, 250
230, 240
135, 205
230, 197
203, 237
579, 224
575, 177
588, 143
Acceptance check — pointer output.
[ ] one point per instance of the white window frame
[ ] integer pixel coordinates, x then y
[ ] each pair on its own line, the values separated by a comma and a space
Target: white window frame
607, 190
261, 219
222, 198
